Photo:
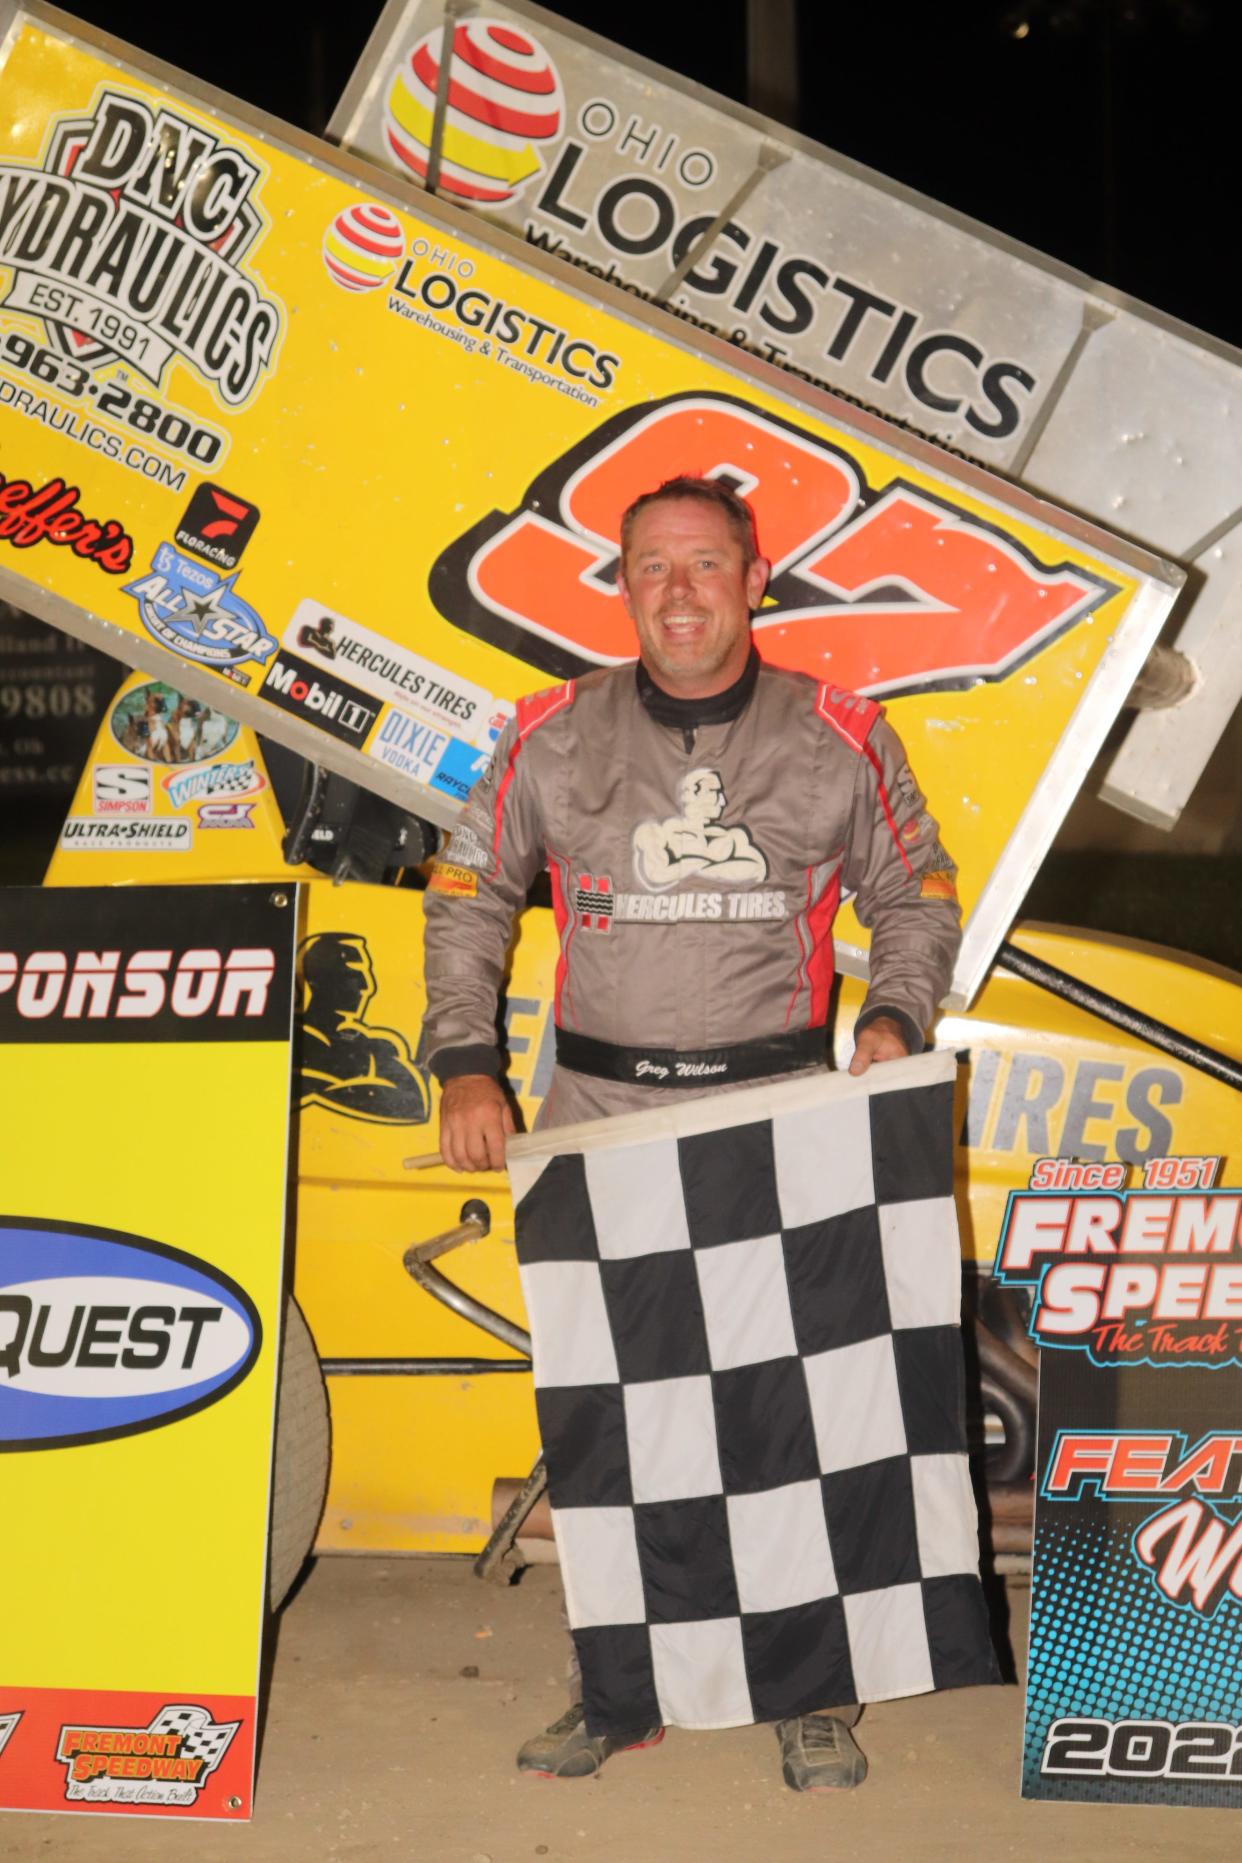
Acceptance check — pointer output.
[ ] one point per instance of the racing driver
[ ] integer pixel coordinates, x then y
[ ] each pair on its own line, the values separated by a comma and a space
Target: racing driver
701, 816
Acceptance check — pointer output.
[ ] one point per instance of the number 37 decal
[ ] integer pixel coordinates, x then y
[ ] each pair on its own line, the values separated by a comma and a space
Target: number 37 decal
890, 591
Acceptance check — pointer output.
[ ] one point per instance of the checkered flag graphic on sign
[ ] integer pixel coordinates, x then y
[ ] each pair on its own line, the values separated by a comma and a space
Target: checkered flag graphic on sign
201, 1737
749, 1378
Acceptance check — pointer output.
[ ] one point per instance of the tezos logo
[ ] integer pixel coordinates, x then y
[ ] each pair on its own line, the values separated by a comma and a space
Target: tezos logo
217, 526
128, 243
104, 1334
197, 613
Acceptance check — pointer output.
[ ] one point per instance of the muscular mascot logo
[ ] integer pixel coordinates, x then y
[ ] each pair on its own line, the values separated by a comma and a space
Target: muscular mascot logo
350, 1065
696, 841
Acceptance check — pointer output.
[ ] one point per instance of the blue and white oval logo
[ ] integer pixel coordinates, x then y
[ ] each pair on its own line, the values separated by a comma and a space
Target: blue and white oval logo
104, 1334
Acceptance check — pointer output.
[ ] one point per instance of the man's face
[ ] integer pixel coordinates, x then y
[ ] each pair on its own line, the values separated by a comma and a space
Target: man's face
688, 591
702, 800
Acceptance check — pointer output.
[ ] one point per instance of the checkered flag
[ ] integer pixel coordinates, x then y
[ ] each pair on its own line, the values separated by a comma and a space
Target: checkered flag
748, 1370
201, 1737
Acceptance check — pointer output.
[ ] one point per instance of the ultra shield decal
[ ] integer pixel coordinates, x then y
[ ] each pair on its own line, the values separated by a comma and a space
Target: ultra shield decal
104, 1334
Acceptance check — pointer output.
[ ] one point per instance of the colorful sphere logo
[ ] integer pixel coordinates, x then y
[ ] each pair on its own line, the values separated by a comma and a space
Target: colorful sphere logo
362, 246
504, 96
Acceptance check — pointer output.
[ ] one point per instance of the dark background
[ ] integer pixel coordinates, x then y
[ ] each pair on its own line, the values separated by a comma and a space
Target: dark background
1102, 132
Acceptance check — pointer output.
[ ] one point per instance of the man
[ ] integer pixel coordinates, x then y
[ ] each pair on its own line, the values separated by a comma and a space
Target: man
695, 946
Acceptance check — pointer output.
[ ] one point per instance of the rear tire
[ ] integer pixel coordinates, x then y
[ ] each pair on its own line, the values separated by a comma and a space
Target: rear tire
300, 1456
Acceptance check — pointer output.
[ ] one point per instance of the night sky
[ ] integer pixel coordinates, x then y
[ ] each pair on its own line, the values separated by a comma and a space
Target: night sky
1102, 132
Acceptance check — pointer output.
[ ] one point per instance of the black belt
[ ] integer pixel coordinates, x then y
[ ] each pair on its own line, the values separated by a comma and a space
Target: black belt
691, 1067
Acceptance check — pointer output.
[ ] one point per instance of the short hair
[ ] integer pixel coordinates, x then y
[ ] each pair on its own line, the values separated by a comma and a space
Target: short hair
738, 514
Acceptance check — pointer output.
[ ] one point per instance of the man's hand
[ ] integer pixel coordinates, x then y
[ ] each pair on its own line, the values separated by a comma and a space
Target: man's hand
475, 1121
881, 1040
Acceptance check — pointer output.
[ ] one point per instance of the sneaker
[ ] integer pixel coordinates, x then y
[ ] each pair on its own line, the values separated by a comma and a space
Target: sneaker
566, 1750
819, 1754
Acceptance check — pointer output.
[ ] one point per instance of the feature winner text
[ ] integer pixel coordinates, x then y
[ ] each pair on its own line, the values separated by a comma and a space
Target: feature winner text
1151, 1274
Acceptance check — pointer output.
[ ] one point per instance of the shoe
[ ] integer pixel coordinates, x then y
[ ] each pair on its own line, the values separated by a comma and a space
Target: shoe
566, 1750
819, 1754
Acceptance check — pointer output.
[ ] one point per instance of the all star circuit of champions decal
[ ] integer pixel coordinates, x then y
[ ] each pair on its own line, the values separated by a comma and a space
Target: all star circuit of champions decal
1135, 1298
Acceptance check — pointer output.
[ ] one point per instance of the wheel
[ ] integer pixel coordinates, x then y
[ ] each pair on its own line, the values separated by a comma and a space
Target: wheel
300, 1459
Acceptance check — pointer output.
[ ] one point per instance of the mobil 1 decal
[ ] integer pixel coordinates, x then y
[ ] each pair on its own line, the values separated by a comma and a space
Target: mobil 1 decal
882, 590
1134, 1685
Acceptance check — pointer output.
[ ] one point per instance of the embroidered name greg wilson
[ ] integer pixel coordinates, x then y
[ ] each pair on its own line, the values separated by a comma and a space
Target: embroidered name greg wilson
669, 908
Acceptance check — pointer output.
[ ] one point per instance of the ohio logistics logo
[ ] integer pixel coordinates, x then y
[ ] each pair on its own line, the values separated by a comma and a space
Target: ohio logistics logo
168, 1762
105, 1334
886, 591
504, 103
127, 243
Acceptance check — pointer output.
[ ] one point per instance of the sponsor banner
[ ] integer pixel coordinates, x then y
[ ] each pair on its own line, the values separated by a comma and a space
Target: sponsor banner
438, 449
1135, 1298
145, 965
625, 172
140, 1305
127, 1751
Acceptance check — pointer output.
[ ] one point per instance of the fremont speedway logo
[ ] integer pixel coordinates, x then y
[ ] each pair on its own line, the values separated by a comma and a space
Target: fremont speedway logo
104, 1334
165, 1763
128, 243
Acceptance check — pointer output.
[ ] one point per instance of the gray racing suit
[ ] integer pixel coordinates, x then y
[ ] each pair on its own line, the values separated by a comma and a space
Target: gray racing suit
698, 850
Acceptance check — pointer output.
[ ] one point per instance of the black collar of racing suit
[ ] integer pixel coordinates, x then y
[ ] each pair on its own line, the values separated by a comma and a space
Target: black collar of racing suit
688, 714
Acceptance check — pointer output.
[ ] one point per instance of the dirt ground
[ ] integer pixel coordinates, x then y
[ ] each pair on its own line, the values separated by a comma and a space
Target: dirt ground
401, 1688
